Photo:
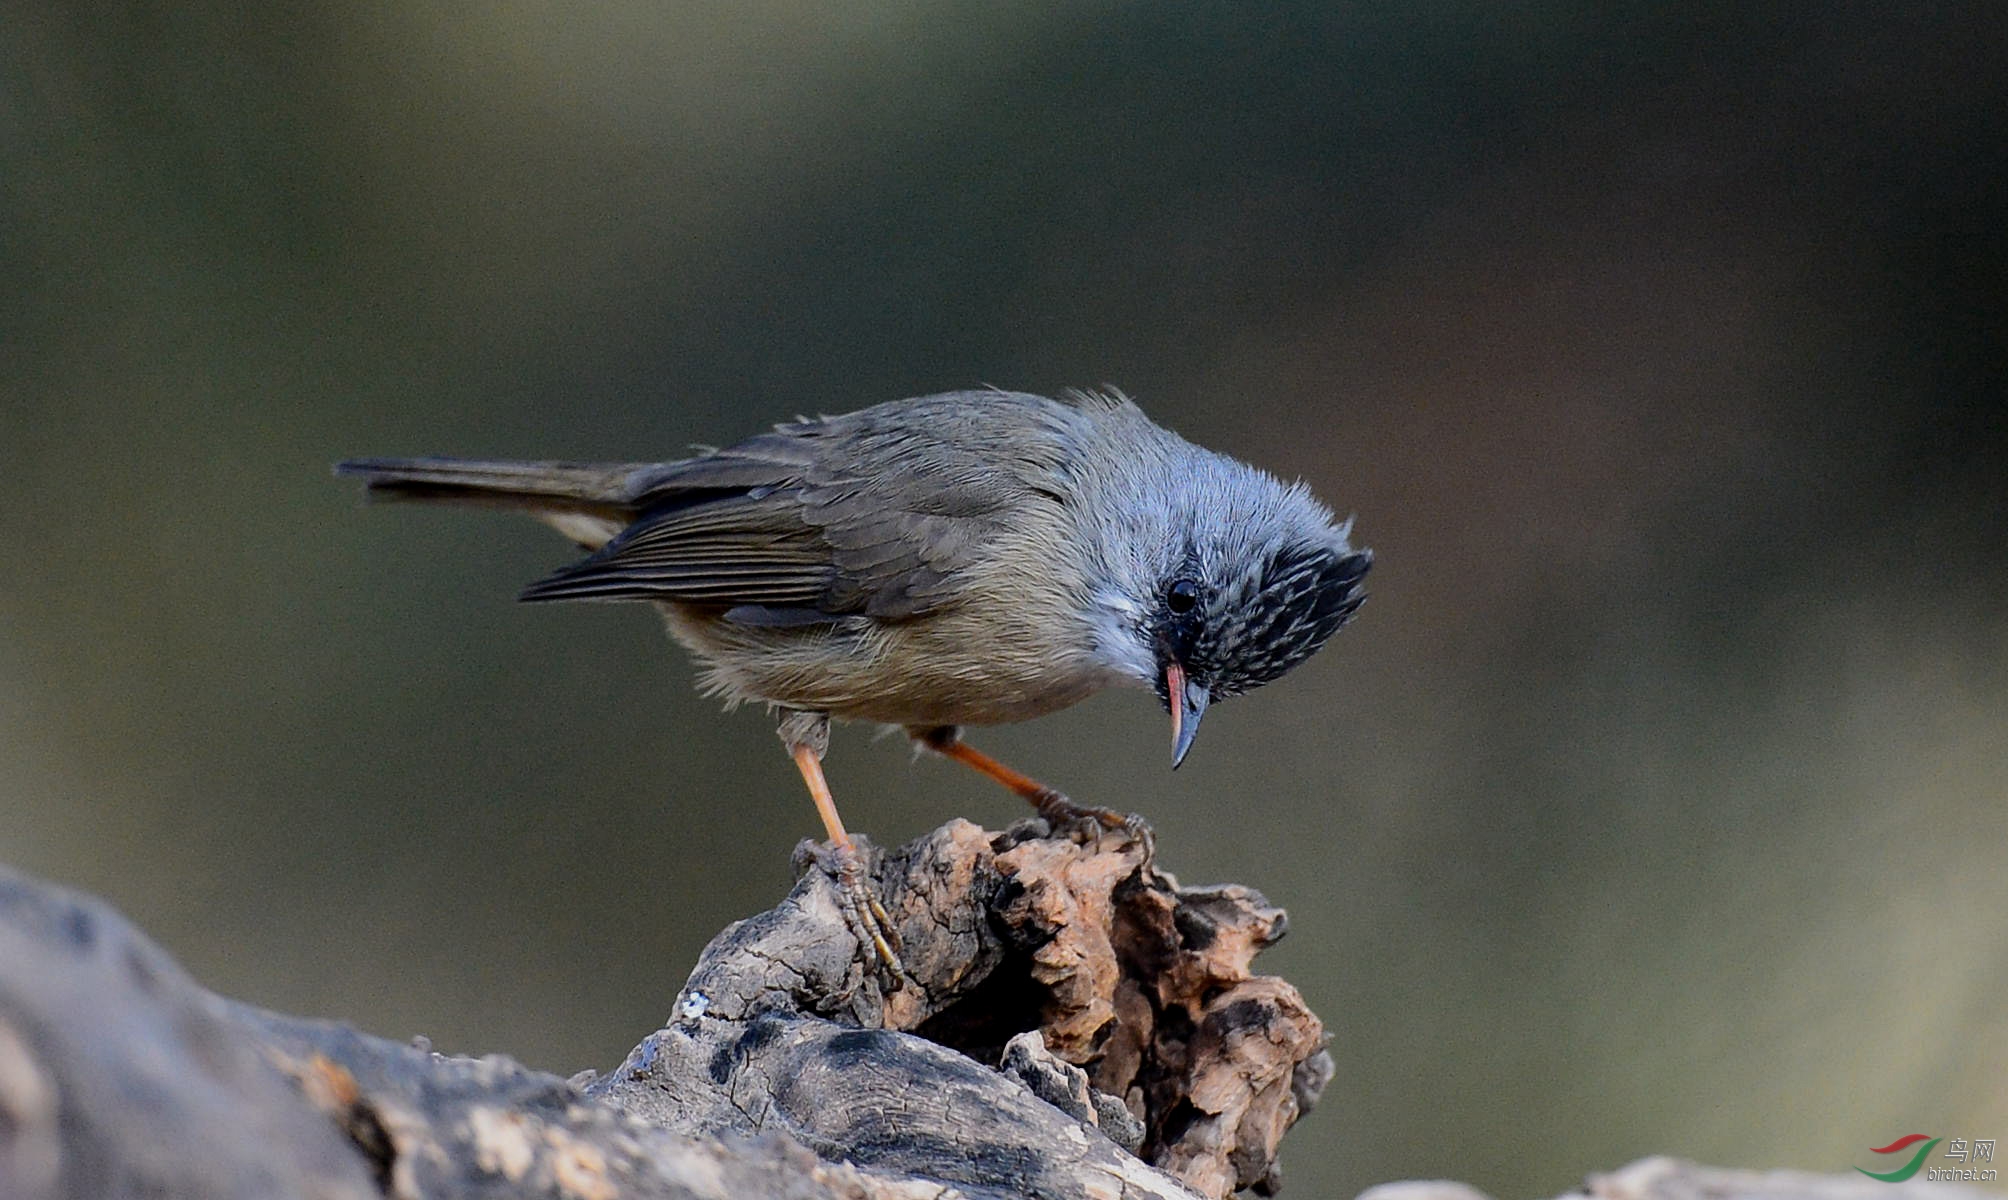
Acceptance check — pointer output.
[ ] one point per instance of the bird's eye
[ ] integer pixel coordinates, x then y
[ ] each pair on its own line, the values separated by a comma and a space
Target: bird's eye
1182, 596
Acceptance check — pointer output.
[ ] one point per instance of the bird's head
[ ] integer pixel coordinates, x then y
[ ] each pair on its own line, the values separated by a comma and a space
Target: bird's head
1222, 626
1224, 579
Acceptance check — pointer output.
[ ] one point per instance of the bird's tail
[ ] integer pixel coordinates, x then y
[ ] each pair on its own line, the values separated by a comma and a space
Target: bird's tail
587, 502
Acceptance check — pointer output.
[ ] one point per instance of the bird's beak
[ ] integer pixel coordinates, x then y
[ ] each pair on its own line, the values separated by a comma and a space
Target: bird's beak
1188, 703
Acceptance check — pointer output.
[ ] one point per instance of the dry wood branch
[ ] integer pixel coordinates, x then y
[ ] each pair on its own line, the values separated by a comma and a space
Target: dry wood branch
1070, 1004
1071, 1018
1145, 987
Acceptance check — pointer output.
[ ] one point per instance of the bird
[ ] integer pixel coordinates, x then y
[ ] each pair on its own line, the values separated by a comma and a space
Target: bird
961, 559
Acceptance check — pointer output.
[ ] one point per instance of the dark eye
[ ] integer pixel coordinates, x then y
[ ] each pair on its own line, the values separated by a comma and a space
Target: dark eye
1182, 596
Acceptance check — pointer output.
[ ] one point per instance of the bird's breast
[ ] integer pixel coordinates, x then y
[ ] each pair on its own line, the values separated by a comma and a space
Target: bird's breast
954, 667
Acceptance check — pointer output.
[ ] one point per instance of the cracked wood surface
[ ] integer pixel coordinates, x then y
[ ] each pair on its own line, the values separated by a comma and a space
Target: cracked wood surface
1074, 1025
121, 1077
1144, 986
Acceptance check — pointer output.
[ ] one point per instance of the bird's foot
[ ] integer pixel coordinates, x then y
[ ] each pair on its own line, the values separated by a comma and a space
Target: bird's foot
878, 941
1063, 814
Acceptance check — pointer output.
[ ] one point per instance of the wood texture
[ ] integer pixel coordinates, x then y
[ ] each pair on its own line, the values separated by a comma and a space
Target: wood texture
1077, 1026
1074, 1025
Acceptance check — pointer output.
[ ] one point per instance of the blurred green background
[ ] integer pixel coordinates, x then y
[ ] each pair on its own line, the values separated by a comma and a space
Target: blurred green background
1655, 802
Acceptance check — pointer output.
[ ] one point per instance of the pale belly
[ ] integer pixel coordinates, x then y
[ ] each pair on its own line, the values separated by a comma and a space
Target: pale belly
921, 673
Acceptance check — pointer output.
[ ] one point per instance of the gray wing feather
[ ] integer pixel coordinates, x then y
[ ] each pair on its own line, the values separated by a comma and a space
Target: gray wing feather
872, 513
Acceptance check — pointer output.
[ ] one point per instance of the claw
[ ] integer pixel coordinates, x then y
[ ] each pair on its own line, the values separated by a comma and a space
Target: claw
1060, 812
807, 735
877, 940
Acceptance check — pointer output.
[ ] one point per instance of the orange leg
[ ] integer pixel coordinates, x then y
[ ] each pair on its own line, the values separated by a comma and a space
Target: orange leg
1052, 804
1020, 785
811, 768
865, 910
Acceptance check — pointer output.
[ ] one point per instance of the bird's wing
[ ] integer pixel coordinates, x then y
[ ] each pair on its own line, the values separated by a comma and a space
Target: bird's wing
872, 513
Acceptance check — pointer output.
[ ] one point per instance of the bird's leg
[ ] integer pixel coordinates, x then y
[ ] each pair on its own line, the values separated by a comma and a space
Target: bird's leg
807, 736
1053, 805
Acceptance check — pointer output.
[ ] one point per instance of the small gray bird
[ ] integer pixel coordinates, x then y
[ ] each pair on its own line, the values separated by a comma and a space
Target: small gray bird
970, 558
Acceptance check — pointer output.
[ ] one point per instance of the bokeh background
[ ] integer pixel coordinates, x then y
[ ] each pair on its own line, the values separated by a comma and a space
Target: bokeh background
1654, 803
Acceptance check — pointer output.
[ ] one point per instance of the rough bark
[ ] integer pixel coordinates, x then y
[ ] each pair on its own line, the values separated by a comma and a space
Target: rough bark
1075, 1025
1142, 985
1071, 1023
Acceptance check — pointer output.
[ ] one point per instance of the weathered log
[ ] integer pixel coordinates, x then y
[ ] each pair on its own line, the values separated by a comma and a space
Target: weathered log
1075, 1025
1071, 1023
1144, 986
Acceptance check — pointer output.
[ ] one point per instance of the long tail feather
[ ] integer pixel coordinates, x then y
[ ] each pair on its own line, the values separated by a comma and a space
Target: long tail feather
476, 481
587, 502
